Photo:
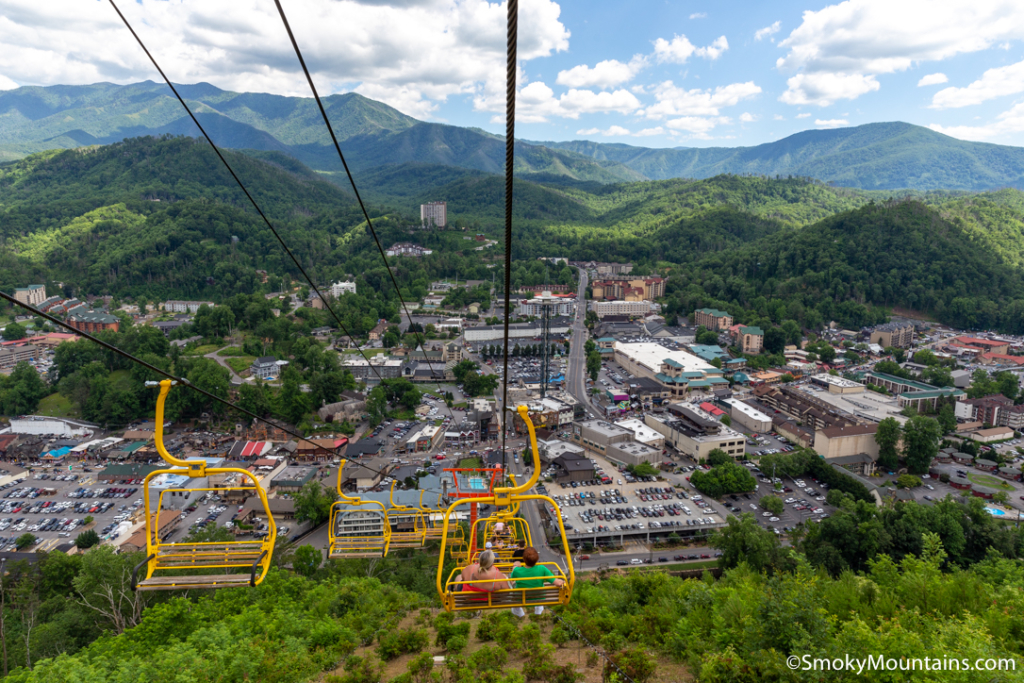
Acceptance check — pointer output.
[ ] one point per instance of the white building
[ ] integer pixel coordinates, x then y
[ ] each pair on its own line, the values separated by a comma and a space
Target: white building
556, 305
603, 308
434, 214
749, 417
643, 433
339, 288
33, 295
51, 426
408, 249
186, 306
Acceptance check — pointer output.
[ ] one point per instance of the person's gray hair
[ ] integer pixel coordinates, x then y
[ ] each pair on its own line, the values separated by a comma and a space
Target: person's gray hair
487, 559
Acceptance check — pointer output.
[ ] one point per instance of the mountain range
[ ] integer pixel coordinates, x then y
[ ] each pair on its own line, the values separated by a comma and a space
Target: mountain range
877, 156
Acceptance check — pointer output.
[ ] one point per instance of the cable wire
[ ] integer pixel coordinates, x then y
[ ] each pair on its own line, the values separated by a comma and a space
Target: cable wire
337, 146
242, 186
180, 380
510, 139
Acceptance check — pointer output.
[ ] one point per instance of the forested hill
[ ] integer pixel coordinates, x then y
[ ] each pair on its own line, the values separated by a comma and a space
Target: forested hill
34, 119
899, 253
160, 214
875, 156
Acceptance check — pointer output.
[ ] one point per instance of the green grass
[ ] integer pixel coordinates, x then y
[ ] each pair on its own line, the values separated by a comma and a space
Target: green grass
367, 352
471, 462
202, 350
56, 405
989, 480
240, 363
231, 351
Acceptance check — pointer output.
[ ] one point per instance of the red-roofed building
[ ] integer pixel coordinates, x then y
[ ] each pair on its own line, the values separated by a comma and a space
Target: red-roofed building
320, 450
246, 450
711, 408
989, 345
1001, 359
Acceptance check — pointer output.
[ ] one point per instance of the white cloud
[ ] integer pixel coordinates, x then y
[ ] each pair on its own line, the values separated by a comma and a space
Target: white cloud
932, 79
714, 50
803, 116
674, 101
1003, 80
536, 103
657, 130
696, 126
780, 117
767, 31
699, 15
616, 131
679, 49
1011, 121
411, 54
6, 83
831, 123
606, 74
840, 49
747, 117
825, 88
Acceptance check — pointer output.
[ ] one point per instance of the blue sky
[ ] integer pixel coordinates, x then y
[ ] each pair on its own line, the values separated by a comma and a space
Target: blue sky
654, 73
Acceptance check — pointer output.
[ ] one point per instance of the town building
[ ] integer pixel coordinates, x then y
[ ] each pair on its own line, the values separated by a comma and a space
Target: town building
849, 440
33, 295
573, 467
339, 288
928, 400
186, 306
677, 371
712, 319
266, 367
434, 214
424, 438
378, 364
994, 410
599, 435
378, 331
812, 412
748, 416
408, 249
551, 449
898, 335
894, 384
292, 479
990, 435
631, 308
643, 433
750, 339
837, 385
984, 345
695, 434
17, 353
558, 327
628, 289
556, 305
93, 321
633, 453
320, 450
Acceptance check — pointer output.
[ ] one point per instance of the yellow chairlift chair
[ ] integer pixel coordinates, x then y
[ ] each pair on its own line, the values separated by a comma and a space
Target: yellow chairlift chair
454, 590
183, 566
358, 528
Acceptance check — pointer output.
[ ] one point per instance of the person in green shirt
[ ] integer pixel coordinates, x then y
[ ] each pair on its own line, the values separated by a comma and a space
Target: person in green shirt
529, 574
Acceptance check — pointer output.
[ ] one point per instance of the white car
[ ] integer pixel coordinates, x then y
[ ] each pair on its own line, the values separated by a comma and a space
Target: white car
774, 519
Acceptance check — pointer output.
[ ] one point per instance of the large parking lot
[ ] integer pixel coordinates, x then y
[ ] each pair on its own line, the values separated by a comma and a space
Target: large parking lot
53, 505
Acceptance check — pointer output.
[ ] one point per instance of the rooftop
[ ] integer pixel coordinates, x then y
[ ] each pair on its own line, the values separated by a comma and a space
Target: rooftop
652, 356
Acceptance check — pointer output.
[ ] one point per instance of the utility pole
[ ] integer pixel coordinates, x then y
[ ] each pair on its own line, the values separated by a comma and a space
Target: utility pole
3, 605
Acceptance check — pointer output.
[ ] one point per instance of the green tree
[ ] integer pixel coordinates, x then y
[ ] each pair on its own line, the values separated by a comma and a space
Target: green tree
947, 418
826, 352
772, 504
908, 481
87, 539
313, 503
593, 364
377, 405
723, 479
14, 332
644, 469
742, 539
292, 404
718, 457
706, 336
921, 436
307, 560
24, 541
888, 437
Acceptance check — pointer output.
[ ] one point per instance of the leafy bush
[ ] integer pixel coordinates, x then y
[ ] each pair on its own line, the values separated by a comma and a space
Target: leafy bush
446, 629
395, 643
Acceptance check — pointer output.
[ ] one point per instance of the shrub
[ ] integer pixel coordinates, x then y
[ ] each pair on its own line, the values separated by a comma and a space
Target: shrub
635, 663
489, 658
558, 636
359, 670
444, 625
421, 667
457, 644
395, 643
87, 539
